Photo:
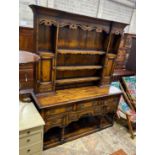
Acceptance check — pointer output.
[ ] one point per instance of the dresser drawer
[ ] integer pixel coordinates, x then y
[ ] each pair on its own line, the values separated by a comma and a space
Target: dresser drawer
30, 132
58, 110
88, 104
74, 116
30, 150
98, 110
110, 104
110, 100
53, 121
30, 140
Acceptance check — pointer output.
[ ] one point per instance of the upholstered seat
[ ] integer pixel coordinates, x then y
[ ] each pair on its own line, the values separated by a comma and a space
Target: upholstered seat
125, 110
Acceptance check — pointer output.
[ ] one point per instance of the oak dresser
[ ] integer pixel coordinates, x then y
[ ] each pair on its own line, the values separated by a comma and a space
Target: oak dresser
72, 78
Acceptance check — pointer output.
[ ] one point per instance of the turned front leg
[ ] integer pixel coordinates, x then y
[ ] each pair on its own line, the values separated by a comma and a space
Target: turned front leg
62, 133
100, 121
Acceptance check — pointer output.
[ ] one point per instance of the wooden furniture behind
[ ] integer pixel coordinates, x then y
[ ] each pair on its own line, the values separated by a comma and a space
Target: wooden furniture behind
27, 62
72, 79
119, 73
26, 39
26, 70
26, 76
30, 130
124, 51
131, 63
125, 61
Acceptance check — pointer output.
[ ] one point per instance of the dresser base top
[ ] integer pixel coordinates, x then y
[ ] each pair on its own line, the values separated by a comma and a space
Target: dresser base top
66, 96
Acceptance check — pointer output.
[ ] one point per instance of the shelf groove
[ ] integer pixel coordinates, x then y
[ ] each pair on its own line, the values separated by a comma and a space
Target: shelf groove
63, 68
89, 52
77, 80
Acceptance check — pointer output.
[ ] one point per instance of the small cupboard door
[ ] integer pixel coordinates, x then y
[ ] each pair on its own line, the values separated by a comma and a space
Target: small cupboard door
45, 73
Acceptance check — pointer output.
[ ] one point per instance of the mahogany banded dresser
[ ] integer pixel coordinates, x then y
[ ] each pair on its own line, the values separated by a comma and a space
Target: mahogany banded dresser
72, 79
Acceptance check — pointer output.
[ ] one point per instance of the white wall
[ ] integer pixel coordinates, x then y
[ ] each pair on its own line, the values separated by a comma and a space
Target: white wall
132, 27
116, 10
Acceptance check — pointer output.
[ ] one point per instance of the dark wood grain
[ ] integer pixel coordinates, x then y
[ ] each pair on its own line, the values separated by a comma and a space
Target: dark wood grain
124, 51
26, 39
26, 72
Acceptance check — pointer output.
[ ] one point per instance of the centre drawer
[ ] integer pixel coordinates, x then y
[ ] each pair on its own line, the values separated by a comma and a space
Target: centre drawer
56, 120
110, 104
58, 110
74, 116
87, 104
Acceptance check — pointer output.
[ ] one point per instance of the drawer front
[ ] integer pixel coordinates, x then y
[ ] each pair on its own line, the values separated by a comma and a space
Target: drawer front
74, 116
26, 66
30, 132
111, 101
98, 110
54, 121
30, 140
30, 150
58, 110
26, 78
57, 120
110, 104
26, 85
88, 104
25, 74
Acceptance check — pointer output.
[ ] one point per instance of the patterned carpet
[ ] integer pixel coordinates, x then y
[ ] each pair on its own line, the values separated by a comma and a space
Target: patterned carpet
103, 142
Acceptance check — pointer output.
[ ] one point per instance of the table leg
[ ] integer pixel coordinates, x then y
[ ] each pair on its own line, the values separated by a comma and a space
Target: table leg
62, 133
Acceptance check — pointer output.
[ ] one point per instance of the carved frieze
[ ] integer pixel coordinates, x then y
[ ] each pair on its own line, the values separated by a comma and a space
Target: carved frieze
49, 22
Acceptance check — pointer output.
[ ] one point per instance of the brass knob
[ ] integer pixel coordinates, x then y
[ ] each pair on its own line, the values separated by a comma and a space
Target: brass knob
28, 132
28, 140
28, 150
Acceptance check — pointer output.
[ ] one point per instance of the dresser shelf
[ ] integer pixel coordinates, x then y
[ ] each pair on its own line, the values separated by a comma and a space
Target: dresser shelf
91, 52
77, 80
63, 68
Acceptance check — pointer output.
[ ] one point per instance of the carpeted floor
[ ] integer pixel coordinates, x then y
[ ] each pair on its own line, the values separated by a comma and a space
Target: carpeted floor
103, 142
